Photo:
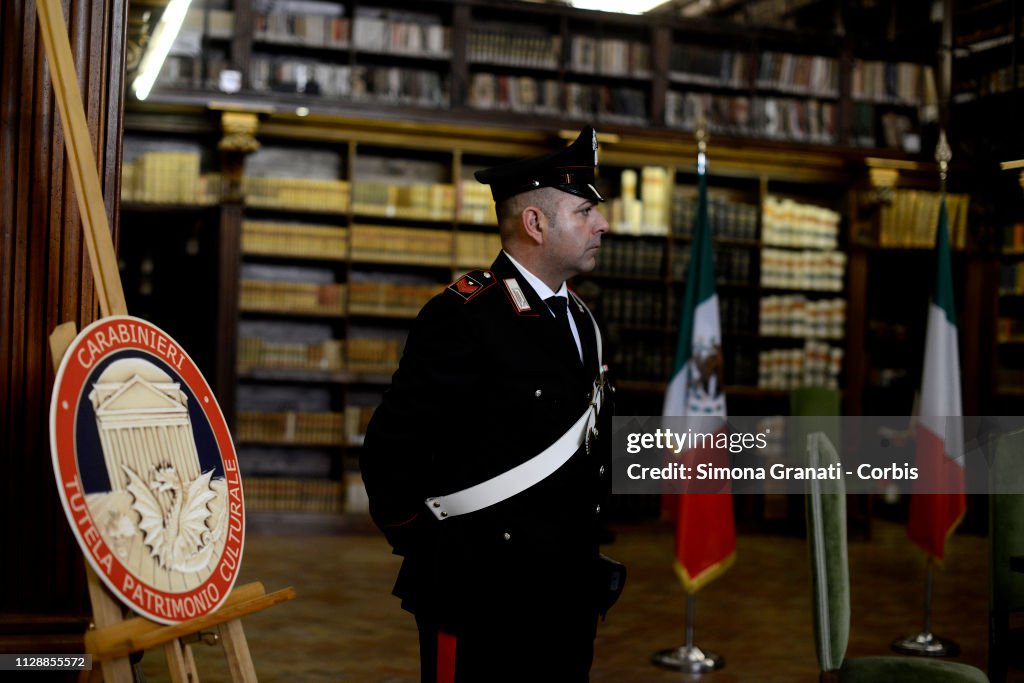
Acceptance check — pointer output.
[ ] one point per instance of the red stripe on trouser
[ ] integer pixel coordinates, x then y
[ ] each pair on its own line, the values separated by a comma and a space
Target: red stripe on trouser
445, 658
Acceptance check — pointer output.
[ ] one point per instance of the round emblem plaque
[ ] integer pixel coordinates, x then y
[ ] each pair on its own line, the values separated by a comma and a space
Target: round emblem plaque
146, 470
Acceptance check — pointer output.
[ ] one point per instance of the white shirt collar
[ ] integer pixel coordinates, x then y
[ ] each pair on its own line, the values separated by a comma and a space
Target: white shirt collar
543, 291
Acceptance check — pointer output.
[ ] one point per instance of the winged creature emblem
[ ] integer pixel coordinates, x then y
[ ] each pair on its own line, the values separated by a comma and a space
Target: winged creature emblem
173, 515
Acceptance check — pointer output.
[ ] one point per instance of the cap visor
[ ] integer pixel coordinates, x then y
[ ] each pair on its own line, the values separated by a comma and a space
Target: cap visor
586, 191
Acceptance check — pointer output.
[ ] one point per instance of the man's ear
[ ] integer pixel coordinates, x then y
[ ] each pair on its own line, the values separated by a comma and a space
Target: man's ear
535, 223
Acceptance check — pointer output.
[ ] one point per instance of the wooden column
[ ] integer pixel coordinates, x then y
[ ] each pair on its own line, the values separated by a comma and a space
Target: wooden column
45, 280
239, 140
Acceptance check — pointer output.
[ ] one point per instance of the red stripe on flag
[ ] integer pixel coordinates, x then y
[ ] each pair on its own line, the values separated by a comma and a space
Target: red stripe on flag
445, 657
934, 516
705, 529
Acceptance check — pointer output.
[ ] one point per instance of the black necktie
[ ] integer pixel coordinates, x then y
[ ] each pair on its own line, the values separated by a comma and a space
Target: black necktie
559, 305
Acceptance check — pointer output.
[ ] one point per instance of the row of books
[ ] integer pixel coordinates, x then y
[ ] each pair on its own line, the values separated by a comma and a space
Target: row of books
701, 64
1011, 278
804, 74
357, 418
358, 354
298, 240
515, 46
476, 249
213, 23
168, 177
311, 30
768, 117
1009, 380
303, 428
648, 213
643, 364
639, 363
632, 307
912, 218
256, 353
815, 365
727, 219
735, 311
805, 270
515, 93
405, 33
627, 106
188, 71
1013, 238
732, 265
990, 83
424, 201
477, 203
388, 298
372, 355
796, 316
391, 85
1009, 329
609, 56
894, 83
329, 299
786, 222
380, 243
416, 201
270, 494
369, 242
631, 258
273, 296
312, 429
309, 194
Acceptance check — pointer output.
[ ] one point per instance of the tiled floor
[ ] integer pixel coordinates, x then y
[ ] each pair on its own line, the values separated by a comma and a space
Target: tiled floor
345, 626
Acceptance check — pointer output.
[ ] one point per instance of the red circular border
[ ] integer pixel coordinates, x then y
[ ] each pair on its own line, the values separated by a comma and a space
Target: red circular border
68, 386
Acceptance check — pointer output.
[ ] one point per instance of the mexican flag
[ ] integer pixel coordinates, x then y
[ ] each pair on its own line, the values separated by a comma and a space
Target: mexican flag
940, 442
705, 531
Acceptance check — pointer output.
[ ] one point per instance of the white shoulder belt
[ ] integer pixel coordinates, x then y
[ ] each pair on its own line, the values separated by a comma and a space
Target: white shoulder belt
537, 468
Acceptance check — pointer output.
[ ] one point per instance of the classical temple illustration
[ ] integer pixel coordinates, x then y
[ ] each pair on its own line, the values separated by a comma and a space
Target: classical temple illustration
163, 517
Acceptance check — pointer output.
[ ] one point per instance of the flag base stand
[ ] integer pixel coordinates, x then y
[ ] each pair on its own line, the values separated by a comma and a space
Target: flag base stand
926, 644
688, 658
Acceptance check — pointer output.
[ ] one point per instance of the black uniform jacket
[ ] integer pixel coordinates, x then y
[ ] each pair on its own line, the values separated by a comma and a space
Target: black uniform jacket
483, 386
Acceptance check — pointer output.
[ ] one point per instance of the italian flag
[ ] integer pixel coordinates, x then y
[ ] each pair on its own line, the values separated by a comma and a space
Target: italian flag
705, 530
940, 442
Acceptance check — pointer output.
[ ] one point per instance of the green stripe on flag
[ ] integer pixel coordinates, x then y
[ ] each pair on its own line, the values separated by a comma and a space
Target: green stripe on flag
944, 268
700, 281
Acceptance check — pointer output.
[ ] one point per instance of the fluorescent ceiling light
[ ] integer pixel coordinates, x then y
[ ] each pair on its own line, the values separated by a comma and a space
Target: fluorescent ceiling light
621, 6
159, 45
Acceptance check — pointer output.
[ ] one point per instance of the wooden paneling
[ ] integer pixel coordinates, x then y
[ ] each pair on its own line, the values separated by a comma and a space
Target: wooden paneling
44, 281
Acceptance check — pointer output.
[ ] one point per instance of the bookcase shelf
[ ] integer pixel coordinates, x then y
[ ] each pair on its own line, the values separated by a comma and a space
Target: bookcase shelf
376, 153
559, 62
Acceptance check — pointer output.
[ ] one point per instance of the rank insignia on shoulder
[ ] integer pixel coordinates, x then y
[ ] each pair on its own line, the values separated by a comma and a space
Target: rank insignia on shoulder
471, 284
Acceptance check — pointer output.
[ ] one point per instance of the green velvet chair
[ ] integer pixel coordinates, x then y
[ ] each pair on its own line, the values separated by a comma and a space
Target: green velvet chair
830, 577
1006, 538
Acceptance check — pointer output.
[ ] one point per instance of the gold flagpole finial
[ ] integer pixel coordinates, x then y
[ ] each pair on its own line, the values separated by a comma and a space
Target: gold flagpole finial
943, 155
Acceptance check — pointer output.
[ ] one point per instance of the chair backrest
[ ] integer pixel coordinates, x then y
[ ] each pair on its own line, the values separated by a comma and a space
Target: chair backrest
1006, 522
830, 573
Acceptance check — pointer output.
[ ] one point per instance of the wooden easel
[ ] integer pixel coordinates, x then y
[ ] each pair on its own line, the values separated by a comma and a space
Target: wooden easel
114, 637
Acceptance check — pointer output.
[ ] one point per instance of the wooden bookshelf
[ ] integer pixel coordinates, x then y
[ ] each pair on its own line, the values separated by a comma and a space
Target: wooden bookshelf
374, 201
452, 59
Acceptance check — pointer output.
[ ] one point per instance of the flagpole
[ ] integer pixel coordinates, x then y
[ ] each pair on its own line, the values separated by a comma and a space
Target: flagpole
689, 658
926, 643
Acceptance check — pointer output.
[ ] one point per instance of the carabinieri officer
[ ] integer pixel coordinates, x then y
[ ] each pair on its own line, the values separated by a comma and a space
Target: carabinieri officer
483, 464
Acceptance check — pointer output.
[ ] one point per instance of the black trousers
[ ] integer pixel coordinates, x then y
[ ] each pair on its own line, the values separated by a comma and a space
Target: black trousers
555, 645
